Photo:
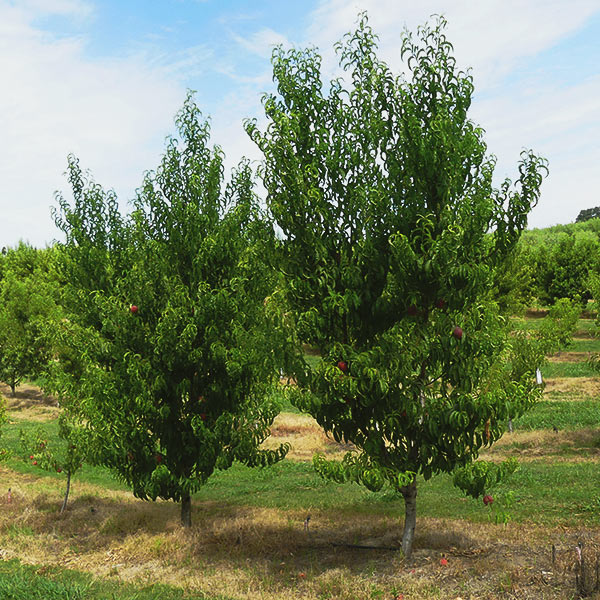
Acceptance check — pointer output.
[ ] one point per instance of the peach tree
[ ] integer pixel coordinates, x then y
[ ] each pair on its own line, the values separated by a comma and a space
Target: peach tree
26, 304
63, 455
392, 233
169, 343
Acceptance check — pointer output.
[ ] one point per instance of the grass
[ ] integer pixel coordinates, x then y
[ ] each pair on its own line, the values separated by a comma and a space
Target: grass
585, 345
563, 415
28, 582
568, 369
249, 540
585, 327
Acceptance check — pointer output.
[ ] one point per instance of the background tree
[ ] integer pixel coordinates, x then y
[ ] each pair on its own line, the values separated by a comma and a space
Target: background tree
560, 259
168, 310
587, 214
383, 192
27, 302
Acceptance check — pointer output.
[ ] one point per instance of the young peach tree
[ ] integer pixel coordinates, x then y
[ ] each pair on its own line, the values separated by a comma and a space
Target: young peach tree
167, 318
391, 236
65, 455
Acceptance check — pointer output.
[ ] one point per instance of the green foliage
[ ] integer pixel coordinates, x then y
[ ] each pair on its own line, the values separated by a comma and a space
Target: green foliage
480, 477
529, 348
26, 304
558, 327
4, 452
561, 258
383, 192
514, 288
170, 318
65, 457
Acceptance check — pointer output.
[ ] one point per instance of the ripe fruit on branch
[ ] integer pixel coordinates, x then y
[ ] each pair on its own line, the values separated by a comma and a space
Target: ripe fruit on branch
133, 309
487, 499
35, 462
412, 311
457, 333
59, 470
343, 366
31, 457
203, 416
158, 458
441, 303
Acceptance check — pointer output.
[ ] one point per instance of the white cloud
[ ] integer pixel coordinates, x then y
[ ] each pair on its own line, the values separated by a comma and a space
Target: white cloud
495, 38
262, 42
488, 36
113, 114
560, 123
71, 8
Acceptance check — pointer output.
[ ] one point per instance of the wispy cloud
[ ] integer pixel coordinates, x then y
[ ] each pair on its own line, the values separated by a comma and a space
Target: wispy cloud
495, 38
488, 36
70, 8
261, 42
112, 113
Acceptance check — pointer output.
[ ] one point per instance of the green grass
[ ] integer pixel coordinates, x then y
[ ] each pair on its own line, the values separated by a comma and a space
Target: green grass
100, 476
312, 359
563, 414
585, 327
541, 492
585, 345
27, 582
569, 369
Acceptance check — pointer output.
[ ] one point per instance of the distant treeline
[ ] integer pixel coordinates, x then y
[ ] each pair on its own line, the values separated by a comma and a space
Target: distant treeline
552, 263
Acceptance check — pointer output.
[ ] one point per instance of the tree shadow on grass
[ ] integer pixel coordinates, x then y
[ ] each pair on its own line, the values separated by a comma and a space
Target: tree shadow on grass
26, 396
271, 546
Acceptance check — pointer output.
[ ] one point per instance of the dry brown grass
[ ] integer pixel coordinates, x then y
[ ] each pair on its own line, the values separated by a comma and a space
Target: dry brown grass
572, 388
305, 437
29, 403
249, 553
569, 357
579, 445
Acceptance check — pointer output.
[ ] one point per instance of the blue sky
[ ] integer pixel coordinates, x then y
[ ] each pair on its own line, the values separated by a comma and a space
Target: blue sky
104, 79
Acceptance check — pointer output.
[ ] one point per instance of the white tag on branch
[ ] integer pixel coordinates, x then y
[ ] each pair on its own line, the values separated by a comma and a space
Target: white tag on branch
538, 377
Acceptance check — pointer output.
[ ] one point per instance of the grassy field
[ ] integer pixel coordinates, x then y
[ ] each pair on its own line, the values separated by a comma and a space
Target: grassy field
249, 540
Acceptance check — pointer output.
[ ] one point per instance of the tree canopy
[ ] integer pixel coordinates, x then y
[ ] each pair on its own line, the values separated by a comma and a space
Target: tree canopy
392, 234
167, 309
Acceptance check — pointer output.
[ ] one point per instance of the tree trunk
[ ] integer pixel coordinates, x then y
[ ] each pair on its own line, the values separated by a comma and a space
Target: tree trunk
410, 517
64, 505
13, 389
186, 511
